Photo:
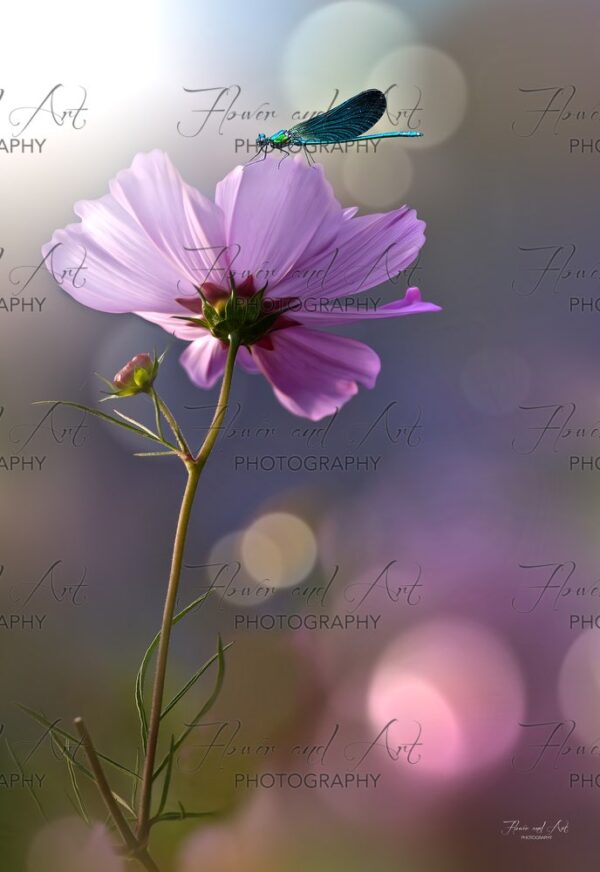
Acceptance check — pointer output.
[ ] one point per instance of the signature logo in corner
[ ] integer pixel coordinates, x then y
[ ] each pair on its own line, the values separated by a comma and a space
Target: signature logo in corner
535, 832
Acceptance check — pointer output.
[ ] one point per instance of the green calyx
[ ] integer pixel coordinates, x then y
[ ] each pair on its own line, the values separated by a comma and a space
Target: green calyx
136, 377
141, 382
244, 317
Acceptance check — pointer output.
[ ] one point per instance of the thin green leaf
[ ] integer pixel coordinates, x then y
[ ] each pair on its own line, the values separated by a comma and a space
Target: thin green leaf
167, 782
141, 676
182, 816
157, 413
192, 682
71, 758
172, 422
30, 787
41, 719
139, 424
205, 708
75, 785
106, 381
124, 804
104, 417
73, 803
155, 454
134, 786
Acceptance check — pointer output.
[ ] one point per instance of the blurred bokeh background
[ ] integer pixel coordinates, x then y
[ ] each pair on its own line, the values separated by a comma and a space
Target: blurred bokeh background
468, 699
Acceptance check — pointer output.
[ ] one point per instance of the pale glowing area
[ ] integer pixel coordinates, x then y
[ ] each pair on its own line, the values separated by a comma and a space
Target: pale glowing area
229, 578
239, 843
68, 845
383, 181
460, 682
427, 91
412, 700
362, 32
579, 686
279, 549
110, 47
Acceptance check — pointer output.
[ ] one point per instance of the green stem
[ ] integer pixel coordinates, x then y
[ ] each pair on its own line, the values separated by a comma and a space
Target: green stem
163, 648
194, 466
217, 421
135, 848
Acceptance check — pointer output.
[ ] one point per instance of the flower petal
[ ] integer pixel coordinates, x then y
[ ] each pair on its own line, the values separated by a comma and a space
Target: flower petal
114, 270
174, 325
132, 244
275, 213
313, 374
246, 361
186, 226
368, 251
340, 311
204, 360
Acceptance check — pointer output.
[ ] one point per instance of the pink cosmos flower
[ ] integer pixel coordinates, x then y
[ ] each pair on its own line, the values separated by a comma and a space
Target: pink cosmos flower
275, 239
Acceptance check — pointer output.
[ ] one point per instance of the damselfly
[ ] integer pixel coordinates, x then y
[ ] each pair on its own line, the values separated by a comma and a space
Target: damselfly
344, 123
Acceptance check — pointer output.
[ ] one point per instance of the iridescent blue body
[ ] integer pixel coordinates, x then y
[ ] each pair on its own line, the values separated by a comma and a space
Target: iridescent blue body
347, 122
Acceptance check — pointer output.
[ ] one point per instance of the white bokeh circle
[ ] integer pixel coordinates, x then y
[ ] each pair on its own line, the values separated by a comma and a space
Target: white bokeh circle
426, 90
335, 46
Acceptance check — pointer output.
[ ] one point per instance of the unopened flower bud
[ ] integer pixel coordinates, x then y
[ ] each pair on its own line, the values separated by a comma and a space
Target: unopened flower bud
135, 377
